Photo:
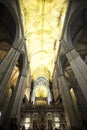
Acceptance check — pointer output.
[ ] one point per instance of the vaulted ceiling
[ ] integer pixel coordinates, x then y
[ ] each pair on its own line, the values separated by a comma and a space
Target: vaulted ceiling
43, 23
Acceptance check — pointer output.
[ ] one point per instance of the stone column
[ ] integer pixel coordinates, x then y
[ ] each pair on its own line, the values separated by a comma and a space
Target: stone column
5, 105
80, 98
15, 113
70, 113
55, 85
82, 104
6, 63
80, 70
14, 107
6, 71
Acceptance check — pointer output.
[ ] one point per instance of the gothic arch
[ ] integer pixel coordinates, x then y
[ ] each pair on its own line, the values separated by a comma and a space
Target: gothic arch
73, 25
7, 31
16, 22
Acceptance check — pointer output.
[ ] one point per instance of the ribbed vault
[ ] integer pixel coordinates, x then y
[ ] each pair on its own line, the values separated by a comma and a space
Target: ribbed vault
43, 22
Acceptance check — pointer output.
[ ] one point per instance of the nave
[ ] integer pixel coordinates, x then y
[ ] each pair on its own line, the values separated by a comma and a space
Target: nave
43, 64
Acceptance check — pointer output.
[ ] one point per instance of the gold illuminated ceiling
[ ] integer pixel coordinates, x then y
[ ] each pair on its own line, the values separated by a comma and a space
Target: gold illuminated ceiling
41, 91
43, 22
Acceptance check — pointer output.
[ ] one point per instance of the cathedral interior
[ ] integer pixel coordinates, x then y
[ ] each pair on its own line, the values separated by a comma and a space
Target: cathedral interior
43, 64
